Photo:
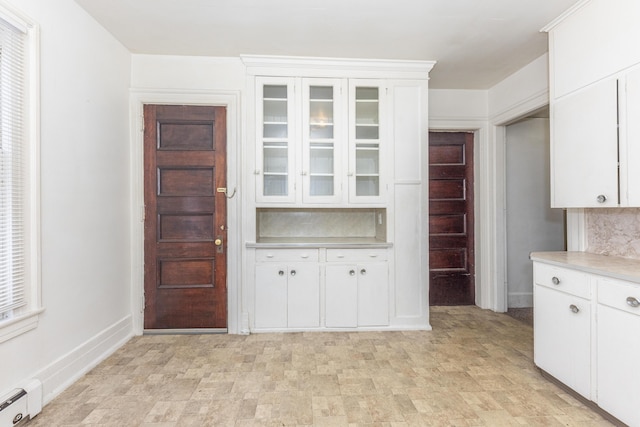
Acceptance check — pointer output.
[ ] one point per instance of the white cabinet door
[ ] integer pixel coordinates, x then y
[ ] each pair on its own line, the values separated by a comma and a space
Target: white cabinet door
271, 296
303, 302
584, 148
357, 295
562, 337
618, 347
368, 141
323, 137
373, 294
276, 139
630, 142
341, 296
618, 356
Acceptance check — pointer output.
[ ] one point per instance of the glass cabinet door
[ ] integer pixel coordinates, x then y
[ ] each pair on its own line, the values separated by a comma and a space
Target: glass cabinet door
275, 135
322, 139
365, 141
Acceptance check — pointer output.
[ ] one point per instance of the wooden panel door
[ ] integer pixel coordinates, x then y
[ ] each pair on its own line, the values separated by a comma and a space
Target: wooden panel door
185, 217
451, 252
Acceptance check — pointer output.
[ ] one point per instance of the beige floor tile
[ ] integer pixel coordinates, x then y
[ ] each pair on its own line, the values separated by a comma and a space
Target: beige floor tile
475, 368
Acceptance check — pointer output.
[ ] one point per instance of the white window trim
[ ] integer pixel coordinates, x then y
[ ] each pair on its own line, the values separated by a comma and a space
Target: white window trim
26, 318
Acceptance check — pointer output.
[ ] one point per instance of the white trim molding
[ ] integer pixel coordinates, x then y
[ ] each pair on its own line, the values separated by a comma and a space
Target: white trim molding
264, 65
231, 100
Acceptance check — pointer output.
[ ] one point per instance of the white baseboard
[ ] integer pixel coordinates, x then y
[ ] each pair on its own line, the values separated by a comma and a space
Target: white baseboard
63, 372
520, 299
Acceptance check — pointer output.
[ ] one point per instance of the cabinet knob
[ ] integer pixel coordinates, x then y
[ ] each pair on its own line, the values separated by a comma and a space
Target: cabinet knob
256, 172
293, 272
574, 308
363, 271
555, 280
280, 273
633, 302
352, 272
601, 198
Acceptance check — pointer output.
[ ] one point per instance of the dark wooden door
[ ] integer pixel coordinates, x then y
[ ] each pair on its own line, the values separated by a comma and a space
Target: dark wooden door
451, 253
185, 217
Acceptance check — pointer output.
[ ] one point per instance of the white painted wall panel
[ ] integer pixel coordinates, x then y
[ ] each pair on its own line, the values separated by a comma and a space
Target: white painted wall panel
407, 118
85, 77
410, 287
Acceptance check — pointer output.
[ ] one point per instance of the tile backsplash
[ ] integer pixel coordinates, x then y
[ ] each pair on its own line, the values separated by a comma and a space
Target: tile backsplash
614, 232
327, 223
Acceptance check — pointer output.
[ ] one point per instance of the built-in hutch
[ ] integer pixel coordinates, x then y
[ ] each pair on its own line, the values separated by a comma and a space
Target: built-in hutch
336, 154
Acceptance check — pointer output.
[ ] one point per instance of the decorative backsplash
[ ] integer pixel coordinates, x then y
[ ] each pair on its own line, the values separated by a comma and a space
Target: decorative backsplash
614, 232
327, 223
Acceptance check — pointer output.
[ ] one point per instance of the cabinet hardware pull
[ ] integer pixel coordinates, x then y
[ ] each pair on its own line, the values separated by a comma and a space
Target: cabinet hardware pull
269, 255
363, 271
574, 308
601, 198
281, 273
305, 256
293, 272
373, 255
633, 302
555, 280
352, 273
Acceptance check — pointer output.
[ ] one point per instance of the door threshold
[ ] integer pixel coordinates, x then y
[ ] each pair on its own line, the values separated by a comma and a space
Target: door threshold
189, 331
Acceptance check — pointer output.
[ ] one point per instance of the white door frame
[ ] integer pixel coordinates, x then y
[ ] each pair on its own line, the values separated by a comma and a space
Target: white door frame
230, 100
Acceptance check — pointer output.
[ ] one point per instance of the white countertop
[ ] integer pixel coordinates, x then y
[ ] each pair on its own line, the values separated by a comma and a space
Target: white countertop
318, 242
611, 266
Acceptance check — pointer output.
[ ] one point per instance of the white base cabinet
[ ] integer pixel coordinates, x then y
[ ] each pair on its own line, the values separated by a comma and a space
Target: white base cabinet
618, 331
562, 337
287, 291
587, 326
357, 295
291, 286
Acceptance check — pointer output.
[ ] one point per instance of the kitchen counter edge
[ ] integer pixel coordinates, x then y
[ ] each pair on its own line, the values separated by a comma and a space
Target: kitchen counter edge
605, 265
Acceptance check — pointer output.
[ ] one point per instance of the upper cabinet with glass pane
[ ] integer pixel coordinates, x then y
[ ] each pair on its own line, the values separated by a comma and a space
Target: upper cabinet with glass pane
323, 140
276, 141
319, 141
366, 140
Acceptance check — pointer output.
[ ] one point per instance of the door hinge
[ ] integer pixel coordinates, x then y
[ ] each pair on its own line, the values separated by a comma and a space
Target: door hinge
143, 212
141, 123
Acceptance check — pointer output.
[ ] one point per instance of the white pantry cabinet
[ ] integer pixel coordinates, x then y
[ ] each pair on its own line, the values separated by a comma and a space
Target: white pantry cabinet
320, 140
586, 326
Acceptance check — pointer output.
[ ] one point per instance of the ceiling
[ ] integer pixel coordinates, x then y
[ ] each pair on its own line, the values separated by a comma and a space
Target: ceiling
476, 43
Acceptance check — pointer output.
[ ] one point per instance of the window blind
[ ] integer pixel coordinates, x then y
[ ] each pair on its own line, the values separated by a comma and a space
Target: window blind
12, 168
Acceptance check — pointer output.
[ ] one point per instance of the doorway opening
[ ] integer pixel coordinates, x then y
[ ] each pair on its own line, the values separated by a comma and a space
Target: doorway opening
451, 219
531, 225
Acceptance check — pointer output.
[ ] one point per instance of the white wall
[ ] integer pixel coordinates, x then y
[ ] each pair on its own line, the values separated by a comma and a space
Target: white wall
85, 75
531, 224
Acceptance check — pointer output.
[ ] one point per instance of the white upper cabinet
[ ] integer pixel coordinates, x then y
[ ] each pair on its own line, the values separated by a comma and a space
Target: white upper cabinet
366, 141
595, 102
323, 140
276, 140
319, 141
584, 152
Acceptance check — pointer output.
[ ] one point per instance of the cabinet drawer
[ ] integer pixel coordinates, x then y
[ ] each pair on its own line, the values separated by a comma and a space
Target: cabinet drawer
267, 255
356, 255
618, 294
563, 279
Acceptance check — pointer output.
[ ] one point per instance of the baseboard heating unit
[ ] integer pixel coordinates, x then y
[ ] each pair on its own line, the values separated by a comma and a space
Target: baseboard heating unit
20, 405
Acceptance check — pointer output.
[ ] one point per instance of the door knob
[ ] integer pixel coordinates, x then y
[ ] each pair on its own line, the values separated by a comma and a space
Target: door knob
218, 242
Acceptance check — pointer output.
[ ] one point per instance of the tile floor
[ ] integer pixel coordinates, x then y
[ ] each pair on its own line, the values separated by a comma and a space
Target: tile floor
474, 369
